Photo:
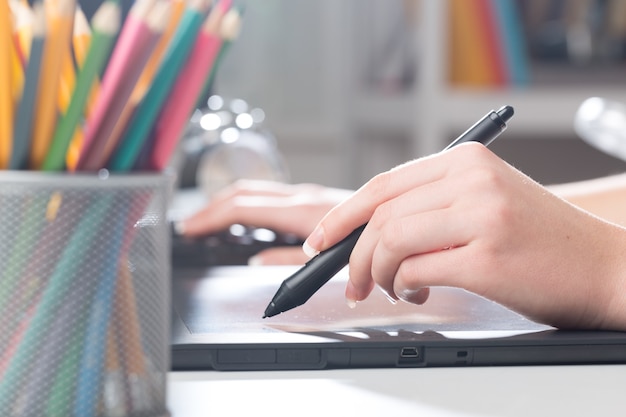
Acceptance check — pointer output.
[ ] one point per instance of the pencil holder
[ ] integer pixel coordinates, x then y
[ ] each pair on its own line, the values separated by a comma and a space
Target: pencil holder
84, 295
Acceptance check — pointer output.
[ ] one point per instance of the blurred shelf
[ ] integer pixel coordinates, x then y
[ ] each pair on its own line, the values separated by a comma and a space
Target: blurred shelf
431, 111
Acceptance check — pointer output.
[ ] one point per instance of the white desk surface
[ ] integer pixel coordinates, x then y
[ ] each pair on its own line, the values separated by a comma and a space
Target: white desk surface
480, 391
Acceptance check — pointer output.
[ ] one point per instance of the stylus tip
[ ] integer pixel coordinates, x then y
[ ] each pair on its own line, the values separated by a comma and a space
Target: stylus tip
506, 112
271, 310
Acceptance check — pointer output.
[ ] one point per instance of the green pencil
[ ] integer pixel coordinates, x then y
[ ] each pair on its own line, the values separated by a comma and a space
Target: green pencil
106, 23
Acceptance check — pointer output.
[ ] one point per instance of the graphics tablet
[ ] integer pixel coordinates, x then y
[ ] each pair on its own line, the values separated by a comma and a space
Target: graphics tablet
217, 324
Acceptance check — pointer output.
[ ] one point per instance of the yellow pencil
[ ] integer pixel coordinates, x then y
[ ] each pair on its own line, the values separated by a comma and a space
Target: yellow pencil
67, 82
17, 70
81, 37
6, 98
61, 17
22, 25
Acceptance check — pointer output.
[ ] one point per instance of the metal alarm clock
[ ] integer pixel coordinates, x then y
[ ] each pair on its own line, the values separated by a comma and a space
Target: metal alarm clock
226, 141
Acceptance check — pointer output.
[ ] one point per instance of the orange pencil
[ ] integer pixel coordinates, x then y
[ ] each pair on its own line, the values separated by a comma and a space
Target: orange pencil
61, 16
17, 70
67, 82
6, 98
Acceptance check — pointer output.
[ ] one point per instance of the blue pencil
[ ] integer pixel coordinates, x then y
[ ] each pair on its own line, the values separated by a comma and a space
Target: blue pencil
92, 362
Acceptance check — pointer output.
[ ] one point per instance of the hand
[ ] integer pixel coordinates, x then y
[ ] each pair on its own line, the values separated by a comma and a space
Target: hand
281, 207
465, 218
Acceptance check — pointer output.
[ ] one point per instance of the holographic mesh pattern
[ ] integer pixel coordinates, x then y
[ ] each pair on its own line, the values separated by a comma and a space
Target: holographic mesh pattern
84, 295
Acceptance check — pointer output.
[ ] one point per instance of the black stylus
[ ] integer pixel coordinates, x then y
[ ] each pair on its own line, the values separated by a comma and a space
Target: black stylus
299, 287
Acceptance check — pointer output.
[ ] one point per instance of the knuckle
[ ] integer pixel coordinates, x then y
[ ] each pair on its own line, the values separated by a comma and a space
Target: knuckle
392, 236
379, 184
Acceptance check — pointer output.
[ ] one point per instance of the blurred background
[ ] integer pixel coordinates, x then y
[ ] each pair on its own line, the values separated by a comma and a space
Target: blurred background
354, 87
350, 88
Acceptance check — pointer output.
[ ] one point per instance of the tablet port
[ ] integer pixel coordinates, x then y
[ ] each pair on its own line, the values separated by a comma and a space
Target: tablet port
409, 352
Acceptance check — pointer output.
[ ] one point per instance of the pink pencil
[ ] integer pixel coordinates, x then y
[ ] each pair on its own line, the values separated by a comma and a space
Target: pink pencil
16, 338
138, 38
188, 86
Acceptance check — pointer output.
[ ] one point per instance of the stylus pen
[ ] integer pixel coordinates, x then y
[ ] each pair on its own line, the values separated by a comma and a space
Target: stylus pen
299, 287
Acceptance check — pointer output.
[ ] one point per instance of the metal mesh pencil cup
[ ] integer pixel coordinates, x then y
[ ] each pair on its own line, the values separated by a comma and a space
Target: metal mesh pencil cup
84, 295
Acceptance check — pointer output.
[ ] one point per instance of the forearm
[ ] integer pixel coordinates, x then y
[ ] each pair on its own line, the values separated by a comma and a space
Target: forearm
605, 197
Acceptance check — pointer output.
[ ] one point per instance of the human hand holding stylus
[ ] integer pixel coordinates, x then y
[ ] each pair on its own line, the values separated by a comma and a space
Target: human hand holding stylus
298, 288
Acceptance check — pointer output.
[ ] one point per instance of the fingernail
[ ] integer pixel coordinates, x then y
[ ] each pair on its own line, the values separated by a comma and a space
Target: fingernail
255, 261
314, 241
389, 297
350, 303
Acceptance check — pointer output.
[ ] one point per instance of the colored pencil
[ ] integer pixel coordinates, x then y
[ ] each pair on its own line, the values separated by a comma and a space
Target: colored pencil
80, 44
138, 380
59, 402
61, 387
24, 120
61, 338
81, 36
147, 111
23, 25
115, 401
135, 44
106, 24
14, 340
24, 280
17, 64
6, 99
93, 356
57, 45
177, 110
147, 76
231, 26
67, 83
31, 223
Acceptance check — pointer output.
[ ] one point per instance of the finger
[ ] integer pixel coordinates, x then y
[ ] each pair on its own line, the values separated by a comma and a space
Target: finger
415, 235
360, 207
418, 296
354, 294
396, 227
456, 267
279, 256
246, 187
260, 211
